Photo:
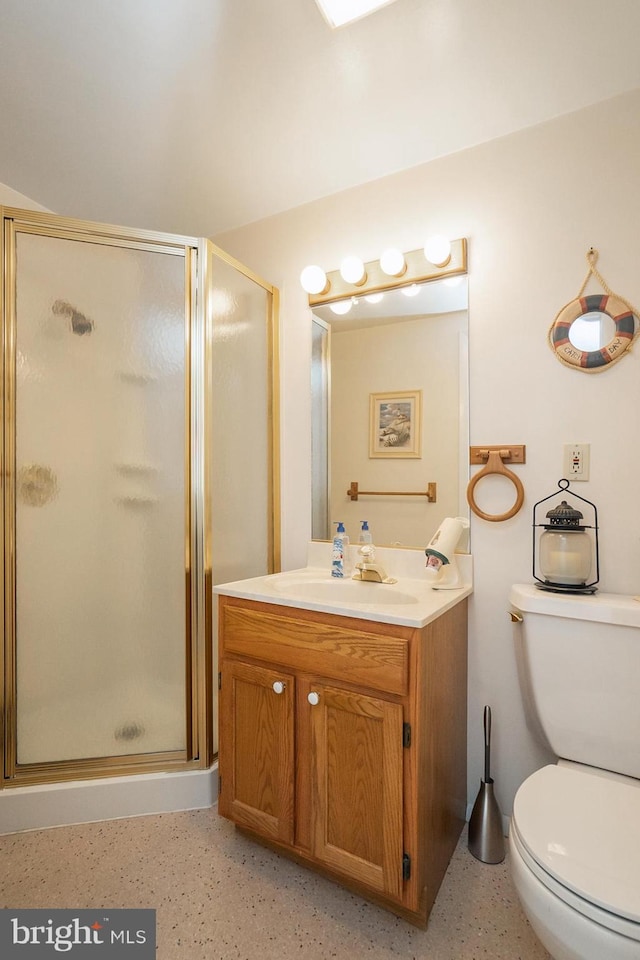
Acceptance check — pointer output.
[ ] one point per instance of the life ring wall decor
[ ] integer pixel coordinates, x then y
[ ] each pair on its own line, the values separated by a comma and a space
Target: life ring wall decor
609, 304
592, 360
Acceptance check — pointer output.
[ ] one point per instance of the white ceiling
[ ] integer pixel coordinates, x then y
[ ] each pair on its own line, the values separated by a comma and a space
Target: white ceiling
196, 116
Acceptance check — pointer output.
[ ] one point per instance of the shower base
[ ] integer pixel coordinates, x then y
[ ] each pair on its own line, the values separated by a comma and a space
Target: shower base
112, 798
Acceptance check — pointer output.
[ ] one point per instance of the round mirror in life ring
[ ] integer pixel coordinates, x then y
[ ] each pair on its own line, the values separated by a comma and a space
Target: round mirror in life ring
574, 349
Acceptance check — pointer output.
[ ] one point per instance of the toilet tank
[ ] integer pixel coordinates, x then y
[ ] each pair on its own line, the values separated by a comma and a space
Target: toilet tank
581, 658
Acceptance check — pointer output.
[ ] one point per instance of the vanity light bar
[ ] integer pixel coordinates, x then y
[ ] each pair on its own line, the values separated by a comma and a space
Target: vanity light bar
418, 270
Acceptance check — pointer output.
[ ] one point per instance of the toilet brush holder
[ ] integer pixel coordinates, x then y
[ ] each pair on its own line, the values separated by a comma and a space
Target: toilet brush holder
486, 834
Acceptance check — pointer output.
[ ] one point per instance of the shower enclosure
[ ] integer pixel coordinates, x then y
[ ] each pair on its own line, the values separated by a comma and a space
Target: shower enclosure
139, 419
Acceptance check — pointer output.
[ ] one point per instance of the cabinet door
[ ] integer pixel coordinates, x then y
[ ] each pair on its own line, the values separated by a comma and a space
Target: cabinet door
256, 749
357, 759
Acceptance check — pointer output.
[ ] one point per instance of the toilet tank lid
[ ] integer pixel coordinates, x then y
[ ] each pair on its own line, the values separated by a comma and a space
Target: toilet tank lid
600, 607
581, 826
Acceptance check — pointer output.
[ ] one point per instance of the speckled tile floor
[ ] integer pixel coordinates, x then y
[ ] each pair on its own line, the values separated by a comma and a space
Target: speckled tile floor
218, 896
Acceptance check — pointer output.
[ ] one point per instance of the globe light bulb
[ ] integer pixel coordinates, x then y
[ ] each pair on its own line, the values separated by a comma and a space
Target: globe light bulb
314, 280
392, 263
411, 291
437, 250
352, 270
374, 297
341, 307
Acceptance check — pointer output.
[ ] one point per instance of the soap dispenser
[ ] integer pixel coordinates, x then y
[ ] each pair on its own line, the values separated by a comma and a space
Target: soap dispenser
339, 553
365, 533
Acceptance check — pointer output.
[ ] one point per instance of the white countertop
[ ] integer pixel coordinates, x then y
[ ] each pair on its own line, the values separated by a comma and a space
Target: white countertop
424, 603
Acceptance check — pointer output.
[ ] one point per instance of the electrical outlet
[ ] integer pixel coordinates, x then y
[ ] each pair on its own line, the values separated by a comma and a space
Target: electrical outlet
576, 461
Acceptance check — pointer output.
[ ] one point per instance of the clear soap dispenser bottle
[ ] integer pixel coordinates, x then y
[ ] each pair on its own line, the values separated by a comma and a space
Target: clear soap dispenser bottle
365, 533
339, 553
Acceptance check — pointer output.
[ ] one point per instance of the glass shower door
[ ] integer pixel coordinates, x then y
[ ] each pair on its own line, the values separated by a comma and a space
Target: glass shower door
99, 385
242, 423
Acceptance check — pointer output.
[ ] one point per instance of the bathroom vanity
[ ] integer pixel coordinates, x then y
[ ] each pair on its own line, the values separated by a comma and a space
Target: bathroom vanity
343, 728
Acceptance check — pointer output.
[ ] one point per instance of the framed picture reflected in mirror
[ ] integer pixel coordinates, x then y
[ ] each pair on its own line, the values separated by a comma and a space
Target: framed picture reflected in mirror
395, 424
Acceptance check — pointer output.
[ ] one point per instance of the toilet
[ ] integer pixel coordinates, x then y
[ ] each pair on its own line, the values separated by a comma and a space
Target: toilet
574, 839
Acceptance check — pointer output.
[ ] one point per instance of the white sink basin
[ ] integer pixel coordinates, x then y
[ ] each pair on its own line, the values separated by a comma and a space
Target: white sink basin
344, 591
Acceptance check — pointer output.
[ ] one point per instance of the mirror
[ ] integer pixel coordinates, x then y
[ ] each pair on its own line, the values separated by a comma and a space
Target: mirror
593, 332
396, 356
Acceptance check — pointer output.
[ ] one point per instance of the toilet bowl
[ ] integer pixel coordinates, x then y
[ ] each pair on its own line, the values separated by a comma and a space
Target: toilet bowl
574, 838
574, 848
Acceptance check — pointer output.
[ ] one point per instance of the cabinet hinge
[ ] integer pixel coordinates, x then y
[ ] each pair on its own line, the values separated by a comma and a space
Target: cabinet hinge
406, 734
220, 680
406, 866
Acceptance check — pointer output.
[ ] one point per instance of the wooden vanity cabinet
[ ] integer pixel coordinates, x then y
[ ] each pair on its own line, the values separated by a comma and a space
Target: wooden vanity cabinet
342, 743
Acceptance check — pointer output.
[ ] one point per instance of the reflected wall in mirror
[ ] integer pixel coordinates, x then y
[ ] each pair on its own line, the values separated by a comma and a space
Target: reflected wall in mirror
592, 331
383, 345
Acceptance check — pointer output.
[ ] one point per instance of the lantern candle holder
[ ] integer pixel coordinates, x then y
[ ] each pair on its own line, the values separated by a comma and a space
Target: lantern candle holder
567, 549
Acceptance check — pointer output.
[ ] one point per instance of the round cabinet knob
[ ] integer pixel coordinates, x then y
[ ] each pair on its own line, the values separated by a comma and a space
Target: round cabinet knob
313, 698
278, 686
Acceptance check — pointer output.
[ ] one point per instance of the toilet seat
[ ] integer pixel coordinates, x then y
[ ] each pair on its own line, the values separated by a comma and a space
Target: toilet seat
576, 829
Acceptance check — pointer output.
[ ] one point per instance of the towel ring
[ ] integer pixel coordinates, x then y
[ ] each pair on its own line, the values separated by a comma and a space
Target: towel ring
495, 465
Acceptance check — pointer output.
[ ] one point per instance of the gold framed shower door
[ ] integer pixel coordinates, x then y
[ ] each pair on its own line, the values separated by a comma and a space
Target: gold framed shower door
197, 254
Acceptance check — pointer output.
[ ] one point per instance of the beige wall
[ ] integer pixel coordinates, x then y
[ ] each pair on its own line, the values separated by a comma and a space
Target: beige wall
531, 205
11, 198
